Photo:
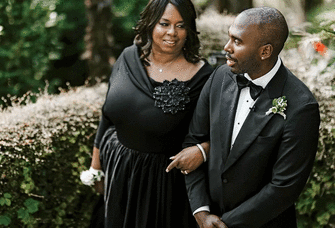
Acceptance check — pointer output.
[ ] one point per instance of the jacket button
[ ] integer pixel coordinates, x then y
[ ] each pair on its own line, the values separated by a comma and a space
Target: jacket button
225, 181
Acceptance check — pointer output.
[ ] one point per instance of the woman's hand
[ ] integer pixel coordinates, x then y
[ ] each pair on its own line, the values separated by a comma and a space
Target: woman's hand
188, 159
99, 186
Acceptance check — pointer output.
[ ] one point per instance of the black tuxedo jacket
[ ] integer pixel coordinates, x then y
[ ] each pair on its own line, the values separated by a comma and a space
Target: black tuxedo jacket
255, 182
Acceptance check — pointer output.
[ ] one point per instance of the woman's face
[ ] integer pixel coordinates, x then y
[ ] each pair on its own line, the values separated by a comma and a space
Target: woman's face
169, 33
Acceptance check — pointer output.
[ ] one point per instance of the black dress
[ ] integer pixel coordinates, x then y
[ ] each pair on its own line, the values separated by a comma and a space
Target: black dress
144, 122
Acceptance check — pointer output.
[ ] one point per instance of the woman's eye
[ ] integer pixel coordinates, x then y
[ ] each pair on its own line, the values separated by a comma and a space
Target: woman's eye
181, 26
163, 24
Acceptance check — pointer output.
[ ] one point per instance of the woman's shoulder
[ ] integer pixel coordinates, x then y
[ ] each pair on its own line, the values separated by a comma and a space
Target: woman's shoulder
204, 67
202, 73
130, 50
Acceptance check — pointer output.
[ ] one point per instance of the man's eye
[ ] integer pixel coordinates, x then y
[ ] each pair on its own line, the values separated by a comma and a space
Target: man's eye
237, 42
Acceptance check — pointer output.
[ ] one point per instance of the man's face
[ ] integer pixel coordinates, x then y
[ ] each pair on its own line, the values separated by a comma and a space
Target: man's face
243, 54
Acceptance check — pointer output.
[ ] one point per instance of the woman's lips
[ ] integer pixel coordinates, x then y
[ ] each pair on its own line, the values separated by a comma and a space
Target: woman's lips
170, 43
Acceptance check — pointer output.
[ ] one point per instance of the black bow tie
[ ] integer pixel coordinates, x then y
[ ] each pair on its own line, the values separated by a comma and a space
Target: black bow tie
243, 82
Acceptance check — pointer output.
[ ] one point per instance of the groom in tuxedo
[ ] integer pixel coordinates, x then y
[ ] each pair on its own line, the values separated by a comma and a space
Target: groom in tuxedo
262, 123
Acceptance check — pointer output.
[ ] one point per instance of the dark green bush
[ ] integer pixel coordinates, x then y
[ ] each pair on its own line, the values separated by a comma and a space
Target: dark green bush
35, 36
43, 148
126, 14
316, 205
43, 41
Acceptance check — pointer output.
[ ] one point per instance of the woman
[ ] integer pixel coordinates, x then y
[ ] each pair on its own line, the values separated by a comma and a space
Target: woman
152, 93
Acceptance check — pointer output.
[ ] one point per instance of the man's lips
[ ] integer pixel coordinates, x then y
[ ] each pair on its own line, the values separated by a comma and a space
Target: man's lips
230, 60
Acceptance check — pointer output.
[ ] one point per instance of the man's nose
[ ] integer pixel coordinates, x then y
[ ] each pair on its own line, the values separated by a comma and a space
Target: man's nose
227, 47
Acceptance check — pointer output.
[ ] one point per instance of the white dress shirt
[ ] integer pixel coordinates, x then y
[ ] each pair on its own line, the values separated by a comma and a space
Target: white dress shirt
245, 104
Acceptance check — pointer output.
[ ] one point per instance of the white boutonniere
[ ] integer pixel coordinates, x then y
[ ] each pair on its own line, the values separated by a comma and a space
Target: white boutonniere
278, 106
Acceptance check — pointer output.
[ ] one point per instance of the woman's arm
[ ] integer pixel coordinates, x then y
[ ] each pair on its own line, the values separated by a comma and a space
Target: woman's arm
189, 158
95, 164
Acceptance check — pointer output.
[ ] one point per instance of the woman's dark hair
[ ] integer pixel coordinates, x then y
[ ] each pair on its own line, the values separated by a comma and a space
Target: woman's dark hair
151, 15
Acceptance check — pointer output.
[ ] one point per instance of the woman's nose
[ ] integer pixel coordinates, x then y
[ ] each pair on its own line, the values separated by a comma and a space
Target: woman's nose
172, 31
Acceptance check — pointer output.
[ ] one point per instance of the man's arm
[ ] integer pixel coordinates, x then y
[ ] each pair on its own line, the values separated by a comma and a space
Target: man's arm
196, 182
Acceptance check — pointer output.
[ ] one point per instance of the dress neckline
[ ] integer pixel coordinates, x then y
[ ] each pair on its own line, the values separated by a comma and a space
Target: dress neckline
175, 79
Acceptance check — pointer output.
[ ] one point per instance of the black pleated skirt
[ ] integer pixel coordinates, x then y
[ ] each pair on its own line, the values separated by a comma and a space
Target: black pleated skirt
138, 191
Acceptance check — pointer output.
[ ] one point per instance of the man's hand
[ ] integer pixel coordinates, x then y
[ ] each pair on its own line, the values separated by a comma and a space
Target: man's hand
207, 220
187, 160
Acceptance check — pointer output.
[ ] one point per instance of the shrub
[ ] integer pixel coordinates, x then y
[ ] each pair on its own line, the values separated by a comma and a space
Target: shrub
213, 28
43, 148
316, 205
31, 34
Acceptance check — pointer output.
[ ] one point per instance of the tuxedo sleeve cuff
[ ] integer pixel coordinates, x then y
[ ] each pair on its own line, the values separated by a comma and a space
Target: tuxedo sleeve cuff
203, 208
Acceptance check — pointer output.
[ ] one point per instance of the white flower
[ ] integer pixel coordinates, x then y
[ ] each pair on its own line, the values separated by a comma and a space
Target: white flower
279, 106
274, 109
87, 177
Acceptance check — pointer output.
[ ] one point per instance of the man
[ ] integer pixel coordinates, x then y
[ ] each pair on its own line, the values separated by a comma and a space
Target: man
262, 148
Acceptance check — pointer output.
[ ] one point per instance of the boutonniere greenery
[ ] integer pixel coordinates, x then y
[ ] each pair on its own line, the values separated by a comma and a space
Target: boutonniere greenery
278, 106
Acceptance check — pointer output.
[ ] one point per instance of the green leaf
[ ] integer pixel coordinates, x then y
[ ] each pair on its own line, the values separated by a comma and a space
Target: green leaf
72, 140
323, 218
7, 195
23, 214
59, 220
5, 220
32, 205
331, 207
81, 160
8, 202
2, 201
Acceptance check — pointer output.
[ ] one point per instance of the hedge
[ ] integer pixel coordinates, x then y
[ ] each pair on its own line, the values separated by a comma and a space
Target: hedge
43, 148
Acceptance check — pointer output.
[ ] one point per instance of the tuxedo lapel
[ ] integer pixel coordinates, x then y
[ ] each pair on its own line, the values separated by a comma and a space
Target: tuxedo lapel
228, 99
256, 119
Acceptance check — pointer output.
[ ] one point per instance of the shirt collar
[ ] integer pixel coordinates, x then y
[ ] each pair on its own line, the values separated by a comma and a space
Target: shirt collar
266, 78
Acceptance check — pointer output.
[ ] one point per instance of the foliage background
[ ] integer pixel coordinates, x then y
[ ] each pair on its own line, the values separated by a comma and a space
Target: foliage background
46, 140
43, 41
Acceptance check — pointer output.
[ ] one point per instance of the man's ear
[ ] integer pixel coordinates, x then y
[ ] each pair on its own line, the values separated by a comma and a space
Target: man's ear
266, 51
